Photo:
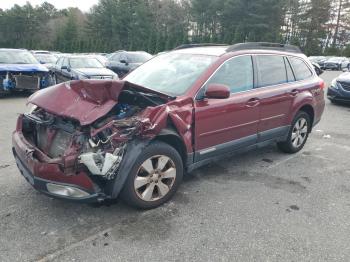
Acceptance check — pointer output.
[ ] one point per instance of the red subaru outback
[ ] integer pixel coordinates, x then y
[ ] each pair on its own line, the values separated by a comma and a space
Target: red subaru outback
94, 140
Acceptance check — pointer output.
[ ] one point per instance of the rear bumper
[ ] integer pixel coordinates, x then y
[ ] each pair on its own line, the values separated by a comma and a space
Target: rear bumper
41, 174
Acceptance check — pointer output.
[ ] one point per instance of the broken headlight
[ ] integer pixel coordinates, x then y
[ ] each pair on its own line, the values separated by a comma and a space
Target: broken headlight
32, 108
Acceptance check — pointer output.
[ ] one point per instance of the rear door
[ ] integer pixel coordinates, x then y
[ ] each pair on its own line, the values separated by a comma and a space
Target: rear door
276, 93
223, 125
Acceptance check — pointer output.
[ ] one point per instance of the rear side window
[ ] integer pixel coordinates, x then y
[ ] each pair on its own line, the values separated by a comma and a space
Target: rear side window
271, 70
290, 75
236, 73
59, 62
301, 70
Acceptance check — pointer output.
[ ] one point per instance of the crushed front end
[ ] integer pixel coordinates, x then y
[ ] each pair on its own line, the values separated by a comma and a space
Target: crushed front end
75, 147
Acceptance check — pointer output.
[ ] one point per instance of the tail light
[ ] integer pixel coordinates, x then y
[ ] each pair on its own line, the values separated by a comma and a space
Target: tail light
322, 84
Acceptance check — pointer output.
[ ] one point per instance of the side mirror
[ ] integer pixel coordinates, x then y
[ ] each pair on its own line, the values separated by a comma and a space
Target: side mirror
41, 62
217, 91
318, 69
65, 68
124, 62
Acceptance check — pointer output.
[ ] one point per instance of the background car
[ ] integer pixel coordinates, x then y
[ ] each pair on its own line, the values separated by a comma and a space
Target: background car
103, 59
46, 59
317, 68
80, 67
122, 62
20, 70
339, 91
337, 63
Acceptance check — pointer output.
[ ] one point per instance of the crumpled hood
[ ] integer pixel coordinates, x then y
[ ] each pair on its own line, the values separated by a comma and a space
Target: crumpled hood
82, 100
345, 77
94, 71
23, 68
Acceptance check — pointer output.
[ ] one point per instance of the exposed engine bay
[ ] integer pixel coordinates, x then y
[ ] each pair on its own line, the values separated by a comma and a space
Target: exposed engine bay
97, 148
24, 80
89, 133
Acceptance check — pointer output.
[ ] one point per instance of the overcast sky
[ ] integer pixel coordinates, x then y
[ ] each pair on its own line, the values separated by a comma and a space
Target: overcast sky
83, 5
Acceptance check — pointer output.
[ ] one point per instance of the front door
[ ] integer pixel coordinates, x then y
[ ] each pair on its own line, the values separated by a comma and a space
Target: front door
223, 125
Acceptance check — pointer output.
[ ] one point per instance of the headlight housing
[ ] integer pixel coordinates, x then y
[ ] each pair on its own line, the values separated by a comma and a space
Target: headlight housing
31, 108
334, 84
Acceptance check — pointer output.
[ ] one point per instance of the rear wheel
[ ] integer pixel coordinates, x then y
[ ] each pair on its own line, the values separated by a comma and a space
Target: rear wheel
154, 178
298, 134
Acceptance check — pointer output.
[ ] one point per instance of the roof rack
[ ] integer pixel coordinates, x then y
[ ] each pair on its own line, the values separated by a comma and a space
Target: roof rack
197, 45
264, 46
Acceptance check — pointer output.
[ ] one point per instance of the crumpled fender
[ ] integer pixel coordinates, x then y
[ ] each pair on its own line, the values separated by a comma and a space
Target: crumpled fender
133, 149
23, 68
179, 113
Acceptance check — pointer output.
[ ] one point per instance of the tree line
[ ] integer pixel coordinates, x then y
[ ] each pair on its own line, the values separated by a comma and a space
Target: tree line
317, 26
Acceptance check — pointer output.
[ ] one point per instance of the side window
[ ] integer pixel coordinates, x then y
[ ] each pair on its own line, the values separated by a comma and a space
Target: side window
271, 70
236, 73
123, 57
290, 74
65, 62
59, 62
301, 70
115, 57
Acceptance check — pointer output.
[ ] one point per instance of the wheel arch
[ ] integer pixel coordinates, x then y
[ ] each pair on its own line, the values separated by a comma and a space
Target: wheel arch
171, 137
307, 108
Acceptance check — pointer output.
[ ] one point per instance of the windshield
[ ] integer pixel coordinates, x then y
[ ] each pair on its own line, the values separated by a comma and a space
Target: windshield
45, 58
84, 62
139, 57
17, 57
171, 73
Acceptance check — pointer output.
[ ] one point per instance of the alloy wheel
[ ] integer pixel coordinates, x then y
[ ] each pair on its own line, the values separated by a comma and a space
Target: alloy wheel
155, 178
299, 132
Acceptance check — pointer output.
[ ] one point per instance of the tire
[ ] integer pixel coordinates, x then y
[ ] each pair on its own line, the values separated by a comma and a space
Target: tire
290, 146
143, 189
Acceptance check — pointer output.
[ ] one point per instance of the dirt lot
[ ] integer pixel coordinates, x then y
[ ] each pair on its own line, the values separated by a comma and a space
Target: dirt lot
260, 206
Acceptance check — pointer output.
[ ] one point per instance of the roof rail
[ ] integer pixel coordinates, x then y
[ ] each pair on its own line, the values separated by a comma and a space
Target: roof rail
184, 46
264, 46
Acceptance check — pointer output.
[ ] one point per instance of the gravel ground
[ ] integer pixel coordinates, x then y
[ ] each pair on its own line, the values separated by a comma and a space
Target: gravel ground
259, 206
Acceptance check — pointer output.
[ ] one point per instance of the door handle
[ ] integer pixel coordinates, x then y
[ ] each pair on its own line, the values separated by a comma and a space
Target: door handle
253, 102
294, 92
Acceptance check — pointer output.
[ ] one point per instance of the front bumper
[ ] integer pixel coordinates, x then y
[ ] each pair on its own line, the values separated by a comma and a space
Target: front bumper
41, 174
338, 95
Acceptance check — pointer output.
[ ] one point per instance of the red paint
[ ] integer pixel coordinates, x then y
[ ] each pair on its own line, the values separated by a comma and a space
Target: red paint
217, 91
200, 123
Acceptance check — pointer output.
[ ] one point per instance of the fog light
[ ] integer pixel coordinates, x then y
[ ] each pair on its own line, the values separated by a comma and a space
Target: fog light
67, 191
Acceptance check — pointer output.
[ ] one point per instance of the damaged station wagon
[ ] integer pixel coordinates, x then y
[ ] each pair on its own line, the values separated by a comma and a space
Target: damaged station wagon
93, 140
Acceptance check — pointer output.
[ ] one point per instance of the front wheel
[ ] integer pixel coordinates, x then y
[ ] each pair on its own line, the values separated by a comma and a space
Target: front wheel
154, 178
298, 134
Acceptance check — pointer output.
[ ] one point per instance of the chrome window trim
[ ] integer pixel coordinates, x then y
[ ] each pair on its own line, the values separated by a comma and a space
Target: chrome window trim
263, 87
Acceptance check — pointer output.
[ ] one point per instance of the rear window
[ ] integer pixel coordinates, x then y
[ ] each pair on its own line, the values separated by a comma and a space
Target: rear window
301, 70
271, 70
